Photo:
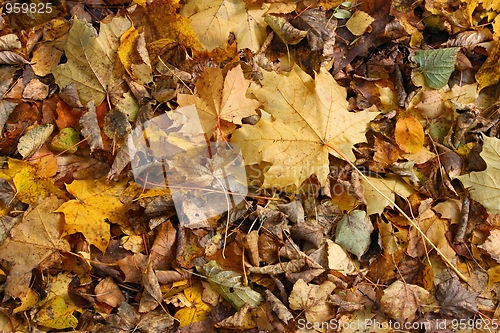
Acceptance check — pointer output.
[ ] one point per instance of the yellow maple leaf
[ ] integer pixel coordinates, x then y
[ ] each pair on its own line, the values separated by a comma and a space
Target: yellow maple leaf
95, 203
213, 21
220, 99
30, 182
198, 310
310, 117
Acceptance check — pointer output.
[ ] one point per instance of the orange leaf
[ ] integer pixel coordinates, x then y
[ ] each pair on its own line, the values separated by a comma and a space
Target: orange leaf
409, 134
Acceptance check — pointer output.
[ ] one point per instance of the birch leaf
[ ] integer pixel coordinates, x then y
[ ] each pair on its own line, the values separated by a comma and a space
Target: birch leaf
310, 115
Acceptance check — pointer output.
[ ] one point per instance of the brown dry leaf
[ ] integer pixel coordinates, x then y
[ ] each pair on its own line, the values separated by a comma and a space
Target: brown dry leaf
492, 245
312, 299
107, 291
434, 228
32, 241
278, 307
455, 300
162, 251
251, 244
401, 301
218, 99
90, 127
152, 296
409, 134
241, 320
133, 267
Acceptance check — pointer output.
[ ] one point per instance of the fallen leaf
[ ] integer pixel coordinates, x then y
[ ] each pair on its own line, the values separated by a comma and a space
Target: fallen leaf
213, 21
492, 245
483, 185
312, 299
359, 22
353, 232
66, 141
229, 285
197, 310
96, 202
436, 65
278, 307
455, 300
409, 134
217, 99
134, 56
309, 117
34, 139
285, 30
32, 241
390, 186
90, 127
90, 58
401, 301
107, 291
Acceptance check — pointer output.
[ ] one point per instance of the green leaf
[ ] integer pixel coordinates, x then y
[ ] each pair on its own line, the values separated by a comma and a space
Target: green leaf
66, 140
484, 186
353, 232
342, 14
437, 65
228, 285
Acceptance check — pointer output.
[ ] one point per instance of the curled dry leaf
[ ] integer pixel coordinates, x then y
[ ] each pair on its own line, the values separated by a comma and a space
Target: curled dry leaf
455, 300
312, 299
401, 301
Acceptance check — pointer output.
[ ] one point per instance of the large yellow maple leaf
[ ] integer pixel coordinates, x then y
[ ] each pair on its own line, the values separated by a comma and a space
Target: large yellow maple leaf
96, 202
309, 117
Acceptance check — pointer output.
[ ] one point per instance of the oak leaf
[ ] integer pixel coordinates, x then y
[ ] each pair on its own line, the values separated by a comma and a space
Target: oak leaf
95, 203
310, 116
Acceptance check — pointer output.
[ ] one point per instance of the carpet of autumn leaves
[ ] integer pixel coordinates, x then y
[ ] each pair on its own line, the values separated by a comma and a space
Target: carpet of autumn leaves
249, 166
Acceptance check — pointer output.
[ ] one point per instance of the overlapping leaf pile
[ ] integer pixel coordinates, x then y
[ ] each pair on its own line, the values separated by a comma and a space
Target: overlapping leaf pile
368, 132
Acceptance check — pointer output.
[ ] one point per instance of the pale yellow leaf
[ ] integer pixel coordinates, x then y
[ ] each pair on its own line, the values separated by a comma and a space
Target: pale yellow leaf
310, 116
213, 21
